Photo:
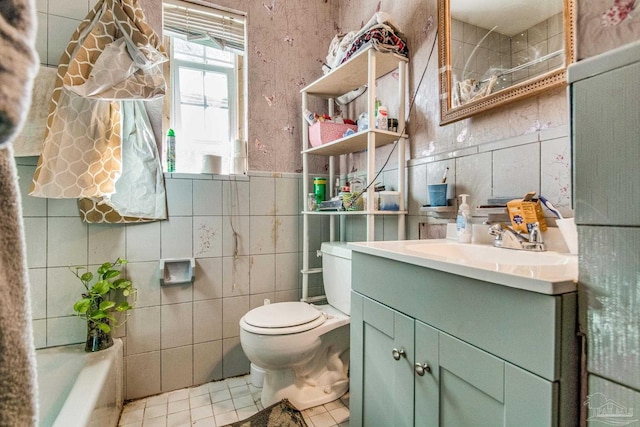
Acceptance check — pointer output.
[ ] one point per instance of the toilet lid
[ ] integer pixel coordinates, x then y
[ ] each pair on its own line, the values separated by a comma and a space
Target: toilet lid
282, 315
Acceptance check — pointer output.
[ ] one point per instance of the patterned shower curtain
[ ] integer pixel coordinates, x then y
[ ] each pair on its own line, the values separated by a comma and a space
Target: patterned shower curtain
112, 63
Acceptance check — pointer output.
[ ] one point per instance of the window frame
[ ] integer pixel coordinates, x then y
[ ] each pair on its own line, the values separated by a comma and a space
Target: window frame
231, 73
178, 27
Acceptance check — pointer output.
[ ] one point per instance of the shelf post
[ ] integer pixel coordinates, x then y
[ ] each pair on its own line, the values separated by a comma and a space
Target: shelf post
371, 144
305, 190
332, 174
402, 78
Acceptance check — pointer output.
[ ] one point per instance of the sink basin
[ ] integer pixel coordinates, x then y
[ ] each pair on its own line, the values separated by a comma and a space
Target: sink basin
489, 254
550, 273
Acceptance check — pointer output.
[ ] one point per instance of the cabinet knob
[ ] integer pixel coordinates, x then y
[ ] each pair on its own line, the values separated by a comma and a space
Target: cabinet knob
397, 354
421, 368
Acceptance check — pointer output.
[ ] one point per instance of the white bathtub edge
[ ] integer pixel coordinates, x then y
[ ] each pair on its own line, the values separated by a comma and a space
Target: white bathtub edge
80, 404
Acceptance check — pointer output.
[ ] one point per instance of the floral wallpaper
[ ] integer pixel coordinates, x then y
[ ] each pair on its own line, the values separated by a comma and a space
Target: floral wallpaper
288, 40
606, 24
287, 43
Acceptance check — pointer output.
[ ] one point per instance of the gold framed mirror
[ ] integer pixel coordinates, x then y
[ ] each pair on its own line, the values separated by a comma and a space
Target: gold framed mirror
492, 52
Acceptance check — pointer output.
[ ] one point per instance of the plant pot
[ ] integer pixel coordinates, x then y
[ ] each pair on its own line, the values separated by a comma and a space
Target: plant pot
97, 339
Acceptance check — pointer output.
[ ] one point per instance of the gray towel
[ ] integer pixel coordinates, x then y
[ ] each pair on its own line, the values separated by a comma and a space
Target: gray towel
19, 60
18, 388
17, 355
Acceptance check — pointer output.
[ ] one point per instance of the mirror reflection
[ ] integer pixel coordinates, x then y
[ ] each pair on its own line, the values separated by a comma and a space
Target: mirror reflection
495, 46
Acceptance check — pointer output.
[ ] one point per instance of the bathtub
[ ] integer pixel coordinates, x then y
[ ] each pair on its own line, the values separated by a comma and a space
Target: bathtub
77, 388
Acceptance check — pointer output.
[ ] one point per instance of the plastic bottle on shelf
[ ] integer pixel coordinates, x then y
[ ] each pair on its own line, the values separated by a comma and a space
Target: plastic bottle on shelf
171, 151
463, 221
381, 118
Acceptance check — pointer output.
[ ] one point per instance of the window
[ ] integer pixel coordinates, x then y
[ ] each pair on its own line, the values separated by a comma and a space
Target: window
206, 82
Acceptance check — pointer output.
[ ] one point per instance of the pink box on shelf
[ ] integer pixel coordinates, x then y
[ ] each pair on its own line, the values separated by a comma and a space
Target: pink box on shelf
324, 132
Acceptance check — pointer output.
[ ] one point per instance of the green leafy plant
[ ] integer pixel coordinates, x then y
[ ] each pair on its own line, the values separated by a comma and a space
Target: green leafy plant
107, 296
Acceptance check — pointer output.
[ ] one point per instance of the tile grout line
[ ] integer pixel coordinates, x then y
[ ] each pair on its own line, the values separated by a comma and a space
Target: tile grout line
320, 412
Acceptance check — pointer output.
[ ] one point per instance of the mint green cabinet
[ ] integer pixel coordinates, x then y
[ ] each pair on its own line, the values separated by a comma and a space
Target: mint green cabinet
386, 397
441, 379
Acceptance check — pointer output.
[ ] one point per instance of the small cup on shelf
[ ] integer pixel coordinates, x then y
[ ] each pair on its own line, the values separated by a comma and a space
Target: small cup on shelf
437, 194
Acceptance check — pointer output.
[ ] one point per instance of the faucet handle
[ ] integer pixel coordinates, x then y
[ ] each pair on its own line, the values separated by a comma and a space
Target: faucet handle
497, 229
535, 235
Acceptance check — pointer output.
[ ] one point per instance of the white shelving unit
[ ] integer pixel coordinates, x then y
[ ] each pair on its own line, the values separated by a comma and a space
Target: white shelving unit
364, 68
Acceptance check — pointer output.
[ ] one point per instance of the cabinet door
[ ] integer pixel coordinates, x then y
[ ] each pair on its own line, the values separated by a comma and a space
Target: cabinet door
381, 386
471, 385
478, 389
427, 385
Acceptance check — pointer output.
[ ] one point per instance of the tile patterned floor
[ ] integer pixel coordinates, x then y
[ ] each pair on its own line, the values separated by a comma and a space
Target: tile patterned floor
217, 404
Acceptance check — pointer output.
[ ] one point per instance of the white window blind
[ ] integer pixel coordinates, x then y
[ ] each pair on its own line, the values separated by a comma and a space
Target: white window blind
205, 25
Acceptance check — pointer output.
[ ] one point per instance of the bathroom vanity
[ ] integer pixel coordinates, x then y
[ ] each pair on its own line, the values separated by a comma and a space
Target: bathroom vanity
461, 335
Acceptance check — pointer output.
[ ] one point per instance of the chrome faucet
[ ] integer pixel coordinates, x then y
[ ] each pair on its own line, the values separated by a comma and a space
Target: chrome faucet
507, 238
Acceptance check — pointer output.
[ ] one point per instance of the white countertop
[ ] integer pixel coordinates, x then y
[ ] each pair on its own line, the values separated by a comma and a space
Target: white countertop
556, 274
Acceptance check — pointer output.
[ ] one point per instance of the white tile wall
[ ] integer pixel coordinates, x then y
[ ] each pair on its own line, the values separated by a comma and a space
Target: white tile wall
146, 277
288, 197
177, 367
263, 198
236, 276
75, 9
106, 243
207, 361
143, 242
516, 170
176, 237
262, 274
207, 236
208, 282
143, 374
143, 330
207, 197
38, 289
262, 235
235, 235
35, 233
176, 324
180, 197
66, 242
59, 32
197, 323
555, 162
63, 330
287, 278
207, 320
286, 238
539, 161
235, 197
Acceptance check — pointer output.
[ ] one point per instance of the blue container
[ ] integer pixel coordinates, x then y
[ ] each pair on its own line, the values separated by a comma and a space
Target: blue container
437, 194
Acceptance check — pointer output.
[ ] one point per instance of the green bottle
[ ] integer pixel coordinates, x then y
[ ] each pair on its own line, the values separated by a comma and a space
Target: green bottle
171, 151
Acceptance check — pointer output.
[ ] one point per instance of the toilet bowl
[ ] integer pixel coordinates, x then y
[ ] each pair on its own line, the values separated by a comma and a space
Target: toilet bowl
304, 348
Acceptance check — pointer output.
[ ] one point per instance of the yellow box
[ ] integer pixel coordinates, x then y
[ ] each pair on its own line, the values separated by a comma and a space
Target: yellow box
524, 214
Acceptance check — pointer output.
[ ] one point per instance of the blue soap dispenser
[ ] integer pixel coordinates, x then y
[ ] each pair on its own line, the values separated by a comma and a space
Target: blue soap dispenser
463, 221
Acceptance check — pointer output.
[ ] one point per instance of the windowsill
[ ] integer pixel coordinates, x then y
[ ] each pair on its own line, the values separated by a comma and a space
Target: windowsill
205, 176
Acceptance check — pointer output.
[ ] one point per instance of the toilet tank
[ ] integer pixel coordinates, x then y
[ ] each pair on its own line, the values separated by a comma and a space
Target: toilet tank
336, 275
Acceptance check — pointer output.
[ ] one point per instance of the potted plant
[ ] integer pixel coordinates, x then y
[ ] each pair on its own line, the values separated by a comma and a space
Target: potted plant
102, 300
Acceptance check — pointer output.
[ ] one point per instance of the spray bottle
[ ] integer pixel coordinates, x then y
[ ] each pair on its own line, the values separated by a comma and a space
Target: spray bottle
171, 151
463, 221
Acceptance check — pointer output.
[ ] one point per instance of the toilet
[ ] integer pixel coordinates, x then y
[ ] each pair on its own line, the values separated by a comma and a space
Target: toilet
304, 348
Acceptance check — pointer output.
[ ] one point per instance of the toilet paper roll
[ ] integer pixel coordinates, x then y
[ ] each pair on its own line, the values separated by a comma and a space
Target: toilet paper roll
238, 165
211, 164
239, 148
